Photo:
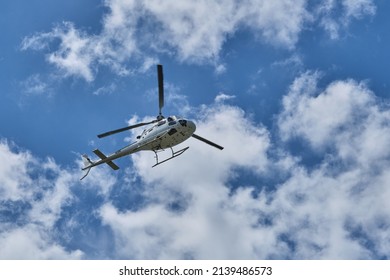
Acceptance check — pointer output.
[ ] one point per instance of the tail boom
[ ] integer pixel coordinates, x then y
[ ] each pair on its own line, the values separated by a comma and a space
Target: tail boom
103, 157
88, 163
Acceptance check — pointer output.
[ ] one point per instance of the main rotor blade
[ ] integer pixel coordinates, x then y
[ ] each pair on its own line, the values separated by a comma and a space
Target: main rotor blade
160, 87
124, 129
207, 141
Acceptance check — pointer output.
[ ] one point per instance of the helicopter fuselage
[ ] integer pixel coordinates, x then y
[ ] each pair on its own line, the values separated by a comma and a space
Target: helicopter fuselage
167, 133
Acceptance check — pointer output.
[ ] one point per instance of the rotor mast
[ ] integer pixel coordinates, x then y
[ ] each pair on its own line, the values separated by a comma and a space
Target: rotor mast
160, 77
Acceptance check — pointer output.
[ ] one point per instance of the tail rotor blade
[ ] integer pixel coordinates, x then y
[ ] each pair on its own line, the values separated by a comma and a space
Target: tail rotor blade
160, 87
124, 129
207, 141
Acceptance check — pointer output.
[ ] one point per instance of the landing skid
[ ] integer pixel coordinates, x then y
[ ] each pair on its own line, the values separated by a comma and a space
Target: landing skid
174, 154
86, 173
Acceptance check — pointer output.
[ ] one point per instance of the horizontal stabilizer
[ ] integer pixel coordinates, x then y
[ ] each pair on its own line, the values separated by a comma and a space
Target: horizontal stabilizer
112, 165
103, 157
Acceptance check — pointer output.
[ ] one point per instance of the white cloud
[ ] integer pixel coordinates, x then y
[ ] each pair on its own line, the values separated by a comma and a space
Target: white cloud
174, 98
194, 184
348, 126
109, 89
196, 30
31, 243
279, 22
336, 209
221, 97
191, 31
33, 193
345, 116
197, 206
335, 16
295, 61
13, 175
359, 8
220, 69
320, 116
17, 184
34, 85
75, 54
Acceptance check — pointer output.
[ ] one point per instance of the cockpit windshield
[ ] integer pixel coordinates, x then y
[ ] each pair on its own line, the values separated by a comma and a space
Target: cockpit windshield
172, 118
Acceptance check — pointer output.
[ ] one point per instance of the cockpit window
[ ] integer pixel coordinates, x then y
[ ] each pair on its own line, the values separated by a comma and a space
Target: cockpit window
171, 120
172, 131
183, 122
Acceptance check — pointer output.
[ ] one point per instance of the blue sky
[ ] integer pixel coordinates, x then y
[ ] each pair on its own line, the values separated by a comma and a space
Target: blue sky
296, 91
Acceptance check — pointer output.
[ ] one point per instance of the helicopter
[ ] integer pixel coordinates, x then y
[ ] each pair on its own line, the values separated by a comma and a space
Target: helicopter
164, 134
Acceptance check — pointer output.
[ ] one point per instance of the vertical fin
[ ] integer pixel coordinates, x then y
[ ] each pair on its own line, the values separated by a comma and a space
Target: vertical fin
87, 162
87, 165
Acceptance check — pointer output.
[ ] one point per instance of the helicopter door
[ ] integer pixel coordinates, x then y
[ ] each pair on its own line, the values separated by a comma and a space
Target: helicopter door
172, 131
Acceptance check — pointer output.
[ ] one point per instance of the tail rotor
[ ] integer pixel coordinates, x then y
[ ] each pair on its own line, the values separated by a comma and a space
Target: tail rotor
87, 166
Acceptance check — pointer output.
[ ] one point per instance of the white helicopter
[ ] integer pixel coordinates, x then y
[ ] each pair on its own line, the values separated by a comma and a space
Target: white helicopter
165, 133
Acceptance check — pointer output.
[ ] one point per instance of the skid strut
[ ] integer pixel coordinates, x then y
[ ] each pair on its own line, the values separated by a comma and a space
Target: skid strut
174, 154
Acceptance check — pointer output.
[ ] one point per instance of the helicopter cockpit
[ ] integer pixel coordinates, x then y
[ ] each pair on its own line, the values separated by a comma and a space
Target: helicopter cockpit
172, 120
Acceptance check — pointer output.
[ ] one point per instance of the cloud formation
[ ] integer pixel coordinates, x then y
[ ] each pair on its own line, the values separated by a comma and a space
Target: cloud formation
342, 202
256, 199
194, 32
335, 16
33, 193
189, 215
335, 210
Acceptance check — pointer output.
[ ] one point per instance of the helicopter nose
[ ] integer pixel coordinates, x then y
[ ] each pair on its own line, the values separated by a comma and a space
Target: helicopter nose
191, 126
